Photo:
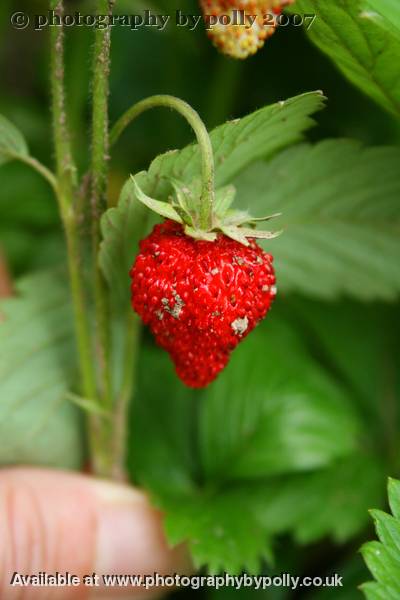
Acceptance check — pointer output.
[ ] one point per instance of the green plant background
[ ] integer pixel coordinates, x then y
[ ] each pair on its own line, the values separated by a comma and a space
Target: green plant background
300, 433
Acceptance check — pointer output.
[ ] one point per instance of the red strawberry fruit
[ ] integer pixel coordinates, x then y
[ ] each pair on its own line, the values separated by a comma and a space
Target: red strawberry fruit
201, 293
200, 298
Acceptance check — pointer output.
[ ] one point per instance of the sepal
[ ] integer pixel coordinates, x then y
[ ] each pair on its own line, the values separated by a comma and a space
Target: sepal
161, 208
224, 198
184, 208
198, 234
183, 200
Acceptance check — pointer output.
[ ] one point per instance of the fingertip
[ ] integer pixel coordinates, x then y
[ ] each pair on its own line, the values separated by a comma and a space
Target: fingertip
130, 535
55, 521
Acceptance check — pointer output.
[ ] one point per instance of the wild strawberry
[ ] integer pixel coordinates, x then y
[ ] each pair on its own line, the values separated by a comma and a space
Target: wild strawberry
240, 27
200, 298
201, 292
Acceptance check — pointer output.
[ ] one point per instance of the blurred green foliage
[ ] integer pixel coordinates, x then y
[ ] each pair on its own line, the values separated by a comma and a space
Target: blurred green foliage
317, 386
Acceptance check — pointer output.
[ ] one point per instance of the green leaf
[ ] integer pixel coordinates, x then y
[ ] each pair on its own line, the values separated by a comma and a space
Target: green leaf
311, 506
384, 566
341, 218
384, 15
297, 475
216, 532
161, 449
383, 557
122, 227
281, 411
390, 9
163, 456
394, 497
12, 142
38, 424
375, 591
388, 529
360, 343
324, 502
361, 37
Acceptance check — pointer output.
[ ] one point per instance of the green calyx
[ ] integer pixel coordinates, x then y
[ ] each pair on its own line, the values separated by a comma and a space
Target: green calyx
184, 206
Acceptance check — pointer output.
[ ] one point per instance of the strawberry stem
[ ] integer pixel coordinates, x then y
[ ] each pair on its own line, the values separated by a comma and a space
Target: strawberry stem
203, 139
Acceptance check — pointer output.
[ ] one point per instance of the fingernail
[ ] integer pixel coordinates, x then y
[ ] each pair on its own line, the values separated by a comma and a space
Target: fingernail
130, 538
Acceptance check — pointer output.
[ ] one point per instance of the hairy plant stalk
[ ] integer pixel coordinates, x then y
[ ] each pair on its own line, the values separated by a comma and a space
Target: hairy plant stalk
203, 139
66, 170
66, 190
108, 430
99, 181
132, 337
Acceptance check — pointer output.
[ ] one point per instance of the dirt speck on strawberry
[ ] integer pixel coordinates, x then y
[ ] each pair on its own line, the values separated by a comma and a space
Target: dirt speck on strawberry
199, 320
239, 326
